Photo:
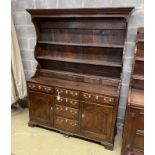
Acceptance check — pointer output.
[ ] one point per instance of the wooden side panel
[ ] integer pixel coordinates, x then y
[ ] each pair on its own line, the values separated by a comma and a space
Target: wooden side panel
133, 134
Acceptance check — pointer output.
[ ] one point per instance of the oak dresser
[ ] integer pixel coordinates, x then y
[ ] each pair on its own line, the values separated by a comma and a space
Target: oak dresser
133, 136
76, 87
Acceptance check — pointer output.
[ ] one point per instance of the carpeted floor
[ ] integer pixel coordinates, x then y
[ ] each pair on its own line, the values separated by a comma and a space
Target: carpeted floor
38, 141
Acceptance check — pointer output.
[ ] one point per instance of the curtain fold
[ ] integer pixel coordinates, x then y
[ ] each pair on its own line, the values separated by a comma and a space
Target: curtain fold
18, 82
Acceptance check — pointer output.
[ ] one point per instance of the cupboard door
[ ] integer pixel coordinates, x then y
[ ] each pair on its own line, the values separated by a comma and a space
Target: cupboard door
96, 120
133, 134
41, 107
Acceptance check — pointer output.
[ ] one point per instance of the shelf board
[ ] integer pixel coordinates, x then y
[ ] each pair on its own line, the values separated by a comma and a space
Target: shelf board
140, 40
138, 76
87, 78
138, 58
136, 97
82, 61
82, 45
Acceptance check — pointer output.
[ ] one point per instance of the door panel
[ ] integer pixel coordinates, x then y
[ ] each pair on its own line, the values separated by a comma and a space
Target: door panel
133, 134
41, 107
96, 120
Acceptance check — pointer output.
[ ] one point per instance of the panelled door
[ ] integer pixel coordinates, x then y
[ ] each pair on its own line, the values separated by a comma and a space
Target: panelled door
96, 120
134, 131
41, 107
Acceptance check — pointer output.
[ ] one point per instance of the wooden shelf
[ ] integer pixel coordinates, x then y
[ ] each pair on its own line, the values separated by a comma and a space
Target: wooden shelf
72, 76
138, 58
82, 45
82, 61
136, 97
138, 76
140, 40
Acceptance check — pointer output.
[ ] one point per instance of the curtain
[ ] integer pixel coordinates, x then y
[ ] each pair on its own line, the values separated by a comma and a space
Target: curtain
18, 82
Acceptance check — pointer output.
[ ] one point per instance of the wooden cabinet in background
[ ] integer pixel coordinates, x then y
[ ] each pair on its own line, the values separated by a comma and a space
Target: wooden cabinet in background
76, 87
133, 135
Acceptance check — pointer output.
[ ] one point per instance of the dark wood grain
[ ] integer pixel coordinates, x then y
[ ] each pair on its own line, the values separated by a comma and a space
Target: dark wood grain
76, 87
133, 134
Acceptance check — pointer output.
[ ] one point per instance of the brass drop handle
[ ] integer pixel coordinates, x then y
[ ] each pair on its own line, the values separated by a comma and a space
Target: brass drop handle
74, 93
39, 87
128, 146
97, 97
73, 124
87, 96
59, 109
83, 115
58, 97
73, 102
73, 112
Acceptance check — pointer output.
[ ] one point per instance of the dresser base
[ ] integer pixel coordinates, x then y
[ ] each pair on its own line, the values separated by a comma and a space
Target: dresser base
108, 146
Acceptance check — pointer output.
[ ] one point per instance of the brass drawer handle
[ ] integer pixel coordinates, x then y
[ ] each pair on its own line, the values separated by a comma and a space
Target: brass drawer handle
59, 100
74, 93
39, 87
73, 112
31, 86
96, 97
59, 109
108, 99
73, 124
128, 146
58, 97
83, 115
73, 102
87, 96
59, 91
47, 89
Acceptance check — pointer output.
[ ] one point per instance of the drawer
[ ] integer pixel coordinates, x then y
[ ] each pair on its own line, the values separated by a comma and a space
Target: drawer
67, 93
140, 122
66, 112
97, 98
138, 142
41, 88
67, 102
66, 124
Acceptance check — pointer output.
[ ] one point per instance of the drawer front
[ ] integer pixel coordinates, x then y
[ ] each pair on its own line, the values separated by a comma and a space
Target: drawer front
66, 112
41, 88
97, 98
138, 142
66, 124
67, 102
67, 93
140, 122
